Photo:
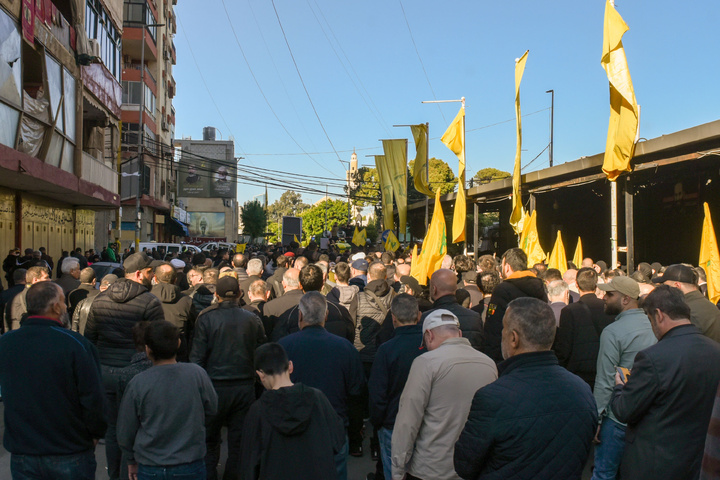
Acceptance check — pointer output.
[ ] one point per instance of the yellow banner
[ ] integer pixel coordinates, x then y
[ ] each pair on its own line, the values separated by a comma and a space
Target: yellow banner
386, 191
240, 247
557, 257
460, 213
454, 139
392, 243
396, 158
516, 217
578, 257
624, 121
434, 245
422, 183
709, 257
361, 239
529, 241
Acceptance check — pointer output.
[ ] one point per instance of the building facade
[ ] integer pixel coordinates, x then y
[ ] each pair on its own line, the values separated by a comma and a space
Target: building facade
60, 97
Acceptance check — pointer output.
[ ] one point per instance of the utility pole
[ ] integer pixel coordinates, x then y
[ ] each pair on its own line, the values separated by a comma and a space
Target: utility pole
552, 115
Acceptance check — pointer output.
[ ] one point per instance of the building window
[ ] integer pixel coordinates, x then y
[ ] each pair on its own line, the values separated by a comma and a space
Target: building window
10, 80
138, 13
132, 92
61, 86
99, 26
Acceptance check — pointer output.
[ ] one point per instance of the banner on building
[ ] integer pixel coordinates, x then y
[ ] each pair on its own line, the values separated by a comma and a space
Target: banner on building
206, 178
206, 224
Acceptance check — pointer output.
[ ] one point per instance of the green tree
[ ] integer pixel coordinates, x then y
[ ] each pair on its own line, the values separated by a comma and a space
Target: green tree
254, 219
487, 175
441, 175
289, 204
314, 217
365, 187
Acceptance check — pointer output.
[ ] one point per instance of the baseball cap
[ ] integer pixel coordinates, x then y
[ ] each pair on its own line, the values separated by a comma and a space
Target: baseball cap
361, 265
470, 276
410, 282
625, 285
677, 273
227, 287
109, 279
177, 263
137, 261
289, 254
438, 318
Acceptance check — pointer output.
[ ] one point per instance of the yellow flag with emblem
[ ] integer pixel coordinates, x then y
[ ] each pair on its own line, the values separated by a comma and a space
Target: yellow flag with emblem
578, 257
392, 242
454, 139
361, 238
517, 216
420, 134
434, 245
529, 241
355, 235
396, 162
709, 257
240, 248
557, 257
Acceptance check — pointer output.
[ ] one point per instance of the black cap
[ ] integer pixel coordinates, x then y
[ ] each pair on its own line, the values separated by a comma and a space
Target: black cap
227, 287
677, 273
137, 261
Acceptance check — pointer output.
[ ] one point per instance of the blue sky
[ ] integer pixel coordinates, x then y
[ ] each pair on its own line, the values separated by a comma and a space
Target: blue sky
362, 72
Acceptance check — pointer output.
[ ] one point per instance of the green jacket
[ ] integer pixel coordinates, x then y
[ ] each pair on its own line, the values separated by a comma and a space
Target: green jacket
619, 343
704, 314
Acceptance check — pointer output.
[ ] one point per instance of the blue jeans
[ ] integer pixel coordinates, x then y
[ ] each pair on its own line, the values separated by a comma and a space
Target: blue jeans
609, 452
341, 460
80, 466
385, 436
186, 471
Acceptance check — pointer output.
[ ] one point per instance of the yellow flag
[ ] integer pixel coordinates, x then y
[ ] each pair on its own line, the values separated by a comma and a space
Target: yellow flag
557, 257
355, 235
240, 248
361, 238
434, 245
392, 243
624, 123
415, 267
386, 191
396, 161
295, 239
516, 217
709, 257
420, 134
454, 139
529, 241
578, 257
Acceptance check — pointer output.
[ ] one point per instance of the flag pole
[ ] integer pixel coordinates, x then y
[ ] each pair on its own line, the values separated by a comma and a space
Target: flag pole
427, 174
463, 179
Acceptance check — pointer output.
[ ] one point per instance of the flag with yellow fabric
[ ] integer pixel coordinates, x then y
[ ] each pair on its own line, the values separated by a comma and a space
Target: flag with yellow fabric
355, 235
529, 241
578, 257
454, 139
361, 238
557, 257
517, 216
420, 177
709, 257
392, 243
414, 262
434, 245
295, 239
240, 247
624, 110
386, 192
396, 161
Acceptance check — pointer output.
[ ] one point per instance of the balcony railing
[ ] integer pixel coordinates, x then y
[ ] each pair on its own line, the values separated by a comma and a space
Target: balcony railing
136, 66
95, 171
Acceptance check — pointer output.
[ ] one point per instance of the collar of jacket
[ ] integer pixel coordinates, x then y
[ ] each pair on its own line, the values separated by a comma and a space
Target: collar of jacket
631, 313
43, 321
695, 294
313, 329
454, 341
521, 274
532, 359
378, 287
228, 304
686, 329
444, 300
408, 330
296, 291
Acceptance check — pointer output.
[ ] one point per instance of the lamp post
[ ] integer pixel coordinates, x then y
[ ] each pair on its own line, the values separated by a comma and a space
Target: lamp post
552, 115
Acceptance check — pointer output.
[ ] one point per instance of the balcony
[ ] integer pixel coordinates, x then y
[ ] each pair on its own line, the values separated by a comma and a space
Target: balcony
174, 53
95, 171
132, 43
132, 73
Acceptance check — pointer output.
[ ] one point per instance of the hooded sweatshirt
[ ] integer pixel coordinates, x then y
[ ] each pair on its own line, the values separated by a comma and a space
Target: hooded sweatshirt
292, 432
179, 310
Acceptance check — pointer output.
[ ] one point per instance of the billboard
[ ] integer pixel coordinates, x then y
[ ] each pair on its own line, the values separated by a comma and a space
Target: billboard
206, 178
206, 224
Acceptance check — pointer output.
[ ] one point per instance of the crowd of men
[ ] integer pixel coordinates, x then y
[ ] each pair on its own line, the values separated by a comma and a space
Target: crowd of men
494, 370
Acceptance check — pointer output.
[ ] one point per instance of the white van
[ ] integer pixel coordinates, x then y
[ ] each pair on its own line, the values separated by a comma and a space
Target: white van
209, 246
169, 247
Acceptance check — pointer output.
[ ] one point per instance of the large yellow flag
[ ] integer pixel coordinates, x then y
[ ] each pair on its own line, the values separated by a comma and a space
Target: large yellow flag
355, 235
529, 241
557, 257
396, 160
415, 263
392, 243
578, 257
454, 139
434, 245
359, 237
422, 183
385, 192
517, 217
623, 127
709, 257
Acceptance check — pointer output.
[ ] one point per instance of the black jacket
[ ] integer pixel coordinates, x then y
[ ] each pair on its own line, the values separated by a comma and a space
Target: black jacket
470, 323
245, 286
51, 388
373, 310
279, 308
80, 293
537, 420
667, 403
225, 340
291, 432
389, 374
275, 281
338, 322
519, 284
180, 311
202, 296
577, 341
113, 315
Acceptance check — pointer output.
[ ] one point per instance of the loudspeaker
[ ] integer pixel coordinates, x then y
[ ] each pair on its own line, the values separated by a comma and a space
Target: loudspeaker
291, 226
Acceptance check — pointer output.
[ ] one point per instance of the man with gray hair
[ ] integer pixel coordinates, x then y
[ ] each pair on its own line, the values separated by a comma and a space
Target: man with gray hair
558, 298
436, 400
274, 309
70, 279
327, 362
537, 418
17, 308
254, 270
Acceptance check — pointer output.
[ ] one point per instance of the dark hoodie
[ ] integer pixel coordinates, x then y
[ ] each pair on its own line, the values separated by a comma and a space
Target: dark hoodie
292, 432
373, 310
113, 315
203, 296
180, 311
519, 284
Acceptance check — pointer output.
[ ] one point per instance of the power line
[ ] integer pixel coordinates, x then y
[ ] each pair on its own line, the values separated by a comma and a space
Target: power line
303, 84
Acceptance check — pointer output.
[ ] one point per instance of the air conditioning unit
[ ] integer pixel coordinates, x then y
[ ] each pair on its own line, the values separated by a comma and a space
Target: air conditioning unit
94, 47
165, 126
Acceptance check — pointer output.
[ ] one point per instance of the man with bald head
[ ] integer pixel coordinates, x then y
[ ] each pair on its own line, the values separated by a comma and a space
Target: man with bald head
401, 270
274, 309
443, 284
177, 307
239, 263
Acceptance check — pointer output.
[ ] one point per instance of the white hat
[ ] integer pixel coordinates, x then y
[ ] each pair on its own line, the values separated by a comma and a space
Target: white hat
358, 256
177, 263
438, 318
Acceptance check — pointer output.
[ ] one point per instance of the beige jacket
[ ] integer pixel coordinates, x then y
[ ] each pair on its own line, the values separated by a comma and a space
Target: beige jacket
434, 407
